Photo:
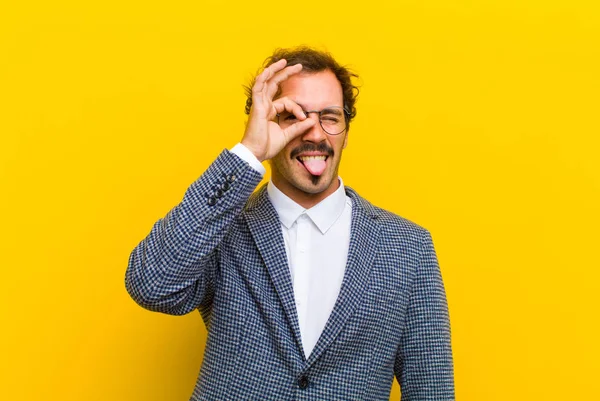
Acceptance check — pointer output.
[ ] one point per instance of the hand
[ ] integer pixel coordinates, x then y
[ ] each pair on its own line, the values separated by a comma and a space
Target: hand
263, 136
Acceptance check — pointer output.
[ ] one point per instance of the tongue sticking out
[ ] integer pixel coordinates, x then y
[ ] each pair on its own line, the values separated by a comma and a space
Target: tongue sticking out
315, 167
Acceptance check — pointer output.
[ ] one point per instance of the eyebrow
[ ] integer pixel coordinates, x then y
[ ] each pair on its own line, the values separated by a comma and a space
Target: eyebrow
329, 109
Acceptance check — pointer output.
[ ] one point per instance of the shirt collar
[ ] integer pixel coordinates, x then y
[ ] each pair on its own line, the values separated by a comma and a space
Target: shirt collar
323, 214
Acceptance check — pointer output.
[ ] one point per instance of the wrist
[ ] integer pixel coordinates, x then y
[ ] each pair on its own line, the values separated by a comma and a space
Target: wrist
256, 154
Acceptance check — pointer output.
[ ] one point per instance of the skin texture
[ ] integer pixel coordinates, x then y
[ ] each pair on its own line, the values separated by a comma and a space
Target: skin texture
267, 141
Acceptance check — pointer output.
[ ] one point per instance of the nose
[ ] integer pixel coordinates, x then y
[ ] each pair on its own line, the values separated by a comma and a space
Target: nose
315, 133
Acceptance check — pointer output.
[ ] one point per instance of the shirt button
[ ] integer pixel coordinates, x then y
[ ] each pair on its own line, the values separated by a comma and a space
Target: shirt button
303, 382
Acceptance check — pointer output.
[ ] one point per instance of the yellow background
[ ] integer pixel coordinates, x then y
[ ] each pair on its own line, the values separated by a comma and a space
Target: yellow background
477, 119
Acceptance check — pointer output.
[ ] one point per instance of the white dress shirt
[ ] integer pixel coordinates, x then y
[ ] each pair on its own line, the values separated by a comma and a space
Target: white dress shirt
316, 244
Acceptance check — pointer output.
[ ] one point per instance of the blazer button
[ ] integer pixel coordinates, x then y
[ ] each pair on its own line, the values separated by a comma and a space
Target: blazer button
303, 382
211, 201
225, 186
230, 178
218, 192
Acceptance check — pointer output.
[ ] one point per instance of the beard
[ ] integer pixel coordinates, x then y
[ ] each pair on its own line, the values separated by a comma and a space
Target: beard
287, 168
311, 147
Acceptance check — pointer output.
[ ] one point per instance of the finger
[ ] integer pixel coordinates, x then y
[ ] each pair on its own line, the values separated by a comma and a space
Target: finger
287, 104
267, 73
272, 84
298, 128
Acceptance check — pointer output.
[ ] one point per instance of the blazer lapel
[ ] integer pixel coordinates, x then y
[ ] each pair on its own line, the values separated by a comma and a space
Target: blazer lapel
265, 228
364, 232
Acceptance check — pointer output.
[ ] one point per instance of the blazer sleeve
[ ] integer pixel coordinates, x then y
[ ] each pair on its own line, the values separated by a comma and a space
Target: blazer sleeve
424, 366
174, 267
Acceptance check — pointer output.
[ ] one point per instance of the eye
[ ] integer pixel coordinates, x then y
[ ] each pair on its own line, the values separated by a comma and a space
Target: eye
330, 119
287, 117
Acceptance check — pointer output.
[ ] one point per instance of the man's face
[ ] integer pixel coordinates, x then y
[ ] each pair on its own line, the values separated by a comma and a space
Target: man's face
292, 172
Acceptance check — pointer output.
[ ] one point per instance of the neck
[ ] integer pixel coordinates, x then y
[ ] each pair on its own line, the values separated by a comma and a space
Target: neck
304, 199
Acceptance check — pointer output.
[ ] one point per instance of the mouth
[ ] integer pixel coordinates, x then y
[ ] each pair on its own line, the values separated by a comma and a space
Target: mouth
314, 164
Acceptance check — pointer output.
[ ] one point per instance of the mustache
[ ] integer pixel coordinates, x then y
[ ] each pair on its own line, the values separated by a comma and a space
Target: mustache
311, 147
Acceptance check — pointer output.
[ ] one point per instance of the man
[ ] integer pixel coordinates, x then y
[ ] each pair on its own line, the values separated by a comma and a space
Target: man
307, 290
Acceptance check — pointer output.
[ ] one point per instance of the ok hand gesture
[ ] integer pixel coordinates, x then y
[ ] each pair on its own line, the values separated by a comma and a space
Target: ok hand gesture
263, 136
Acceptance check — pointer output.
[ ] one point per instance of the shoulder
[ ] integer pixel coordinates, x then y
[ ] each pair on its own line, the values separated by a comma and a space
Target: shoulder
392, 225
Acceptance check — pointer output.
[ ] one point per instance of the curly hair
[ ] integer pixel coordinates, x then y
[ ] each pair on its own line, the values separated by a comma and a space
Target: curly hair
312, 61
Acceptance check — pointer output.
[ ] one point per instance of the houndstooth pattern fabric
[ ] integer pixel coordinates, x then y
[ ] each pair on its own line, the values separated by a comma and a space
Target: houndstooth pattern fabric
221, 251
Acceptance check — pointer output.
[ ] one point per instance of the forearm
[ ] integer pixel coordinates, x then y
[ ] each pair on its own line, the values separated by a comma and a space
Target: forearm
169, 271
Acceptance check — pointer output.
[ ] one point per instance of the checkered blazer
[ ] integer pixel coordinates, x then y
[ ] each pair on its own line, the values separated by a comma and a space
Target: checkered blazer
221, 251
